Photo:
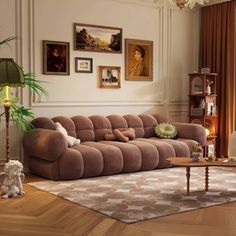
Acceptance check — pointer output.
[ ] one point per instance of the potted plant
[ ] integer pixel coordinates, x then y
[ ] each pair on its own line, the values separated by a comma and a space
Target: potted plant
197, 152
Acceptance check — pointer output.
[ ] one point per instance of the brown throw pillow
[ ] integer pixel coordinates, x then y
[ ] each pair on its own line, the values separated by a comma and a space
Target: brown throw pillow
130, 133
120, 136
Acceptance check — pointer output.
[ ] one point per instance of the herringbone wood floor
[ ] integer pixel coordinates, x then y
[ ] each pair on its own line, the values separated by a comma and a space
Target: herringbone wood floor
41, 214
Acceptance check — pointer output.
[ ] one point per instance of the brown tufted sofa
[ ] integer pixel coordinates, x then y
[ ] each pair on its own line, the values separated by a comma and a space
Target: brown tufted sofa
50, 157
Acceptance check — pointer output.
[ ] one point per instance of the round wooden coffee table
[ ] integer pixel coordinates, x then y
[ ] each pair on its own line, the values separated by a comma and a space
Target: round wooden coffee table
188, 163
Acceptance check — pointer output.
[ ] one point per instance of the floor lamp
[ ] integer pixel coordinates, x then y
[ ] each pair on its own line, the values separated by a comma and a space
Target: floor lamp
11, 75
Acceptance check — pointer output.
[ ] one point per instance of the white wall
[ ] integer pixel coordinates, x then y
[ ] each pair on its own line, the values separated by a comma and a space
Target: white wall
175, 37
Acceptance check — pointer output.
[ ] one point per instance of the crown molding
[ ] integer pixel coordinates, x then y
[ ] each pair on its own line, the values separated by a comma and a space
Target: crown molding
146, 3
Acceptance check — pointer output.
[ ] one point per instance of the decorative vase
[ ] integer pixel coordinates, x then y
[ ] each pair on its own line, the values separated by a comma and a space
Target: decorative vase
208, 89
196, 156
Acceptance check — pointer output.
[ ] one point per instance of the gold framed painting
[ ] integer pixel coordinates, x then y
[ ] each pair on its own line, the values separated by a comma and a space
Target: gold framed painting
97, 38
109, 76
138, 60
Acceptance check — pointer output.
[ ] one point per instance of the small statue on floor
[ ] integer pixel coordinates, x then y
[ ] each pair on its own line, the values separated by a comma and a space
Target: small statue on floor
11, 179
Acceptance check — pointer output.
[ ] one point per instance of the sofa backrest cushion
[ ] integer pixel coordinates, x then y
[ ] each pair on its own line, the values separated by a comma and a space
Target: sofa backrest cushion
43, 123
101, 126
95, 127
67, 123
149, 122
84, 128
136, 123
117, 122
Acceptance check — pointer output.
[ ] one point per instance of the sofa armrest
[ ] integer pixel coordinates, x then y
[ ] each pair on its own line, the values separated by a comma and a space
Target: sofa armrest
192, 131
45, 144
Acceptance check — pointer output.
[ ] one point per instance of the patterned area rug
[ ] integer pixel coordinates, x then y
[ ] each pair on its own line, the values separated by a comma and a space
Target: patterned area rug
149, 194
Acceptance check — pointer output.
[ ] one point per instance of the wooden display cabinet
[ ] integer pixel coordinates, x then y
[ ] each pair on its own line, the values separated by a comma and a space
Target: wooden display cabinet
203, 106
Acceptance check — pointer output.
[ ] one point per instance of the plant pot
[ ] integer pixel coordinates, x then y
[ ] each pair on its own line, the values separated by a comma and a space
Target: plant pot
196, 156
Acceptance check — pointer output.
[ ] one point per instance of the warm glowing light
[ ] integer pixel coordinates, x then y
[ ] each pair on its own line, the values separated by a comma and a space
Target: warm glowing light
7, 99
7, 92
207, 131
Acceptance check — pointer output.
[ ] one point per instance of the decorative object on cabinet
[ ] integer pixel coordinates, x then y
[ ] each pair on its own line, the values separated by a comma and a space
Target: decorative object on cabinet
109, 76
203, 106
83, 65
138, 60
97, 38
56, 56
205, 70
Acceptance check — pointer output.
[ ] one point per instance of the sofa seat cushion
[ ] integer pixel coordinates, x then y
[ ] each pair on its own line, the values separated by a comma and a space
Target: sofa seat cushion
150, 155
165, 150
92, 158
71, 158
181, 148
44, 168
132, 157
112, 157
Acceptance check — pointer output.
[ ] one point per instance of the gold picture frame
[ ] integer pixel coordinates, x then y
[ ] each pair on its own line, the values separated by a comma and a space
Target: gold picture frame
138, 60
97, 38
109, 76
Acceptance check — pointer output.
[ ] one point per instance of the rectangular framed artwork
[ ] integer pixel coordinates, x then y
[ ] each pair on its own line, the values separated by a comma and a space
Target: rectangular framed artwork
97, 38
83, 65
56, 57
109, 76
138, 60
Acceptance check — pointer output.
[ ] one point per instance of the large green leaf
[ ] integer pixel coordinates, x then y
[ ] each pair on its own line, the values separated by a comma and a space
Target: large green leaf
35, 85
20, 115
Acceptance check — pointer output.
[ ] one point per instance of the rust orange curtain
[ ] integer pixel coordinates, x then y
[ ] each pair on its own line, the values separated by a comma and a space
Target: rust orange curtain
217, 53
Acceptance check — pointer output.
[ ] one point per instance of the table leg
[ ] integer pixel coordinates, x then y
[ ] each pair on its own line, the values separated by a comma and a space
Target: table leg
188, 178
206, 178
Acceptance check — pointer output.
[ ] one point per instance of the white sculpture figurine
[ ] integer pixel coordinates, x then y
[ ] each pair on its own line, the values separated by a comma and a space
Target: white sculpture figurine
11, 179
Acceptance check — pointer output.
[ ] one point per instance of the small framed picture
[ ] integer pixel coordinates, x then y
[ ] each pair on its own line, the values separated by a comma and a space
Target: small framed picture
109, 76
56, 57
83, 65
138, 60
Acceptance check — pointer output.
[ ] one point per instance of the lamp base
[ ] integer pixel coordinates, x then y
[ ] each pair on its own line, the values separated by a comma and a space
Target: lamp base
7, 116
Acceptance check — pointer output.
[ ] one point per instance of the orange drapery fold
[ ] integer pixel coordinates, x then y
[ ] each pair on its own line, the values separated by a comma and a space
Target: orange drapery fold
217, 53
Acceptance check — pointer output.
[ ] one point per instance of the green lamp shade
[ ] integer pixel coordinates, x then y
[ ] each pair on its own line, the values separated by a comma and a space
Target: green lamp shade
10, 73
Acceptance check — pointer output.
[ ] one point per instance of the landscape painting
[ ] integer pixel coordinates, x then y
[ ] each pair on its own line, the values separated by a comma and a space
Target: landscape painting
97, 38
